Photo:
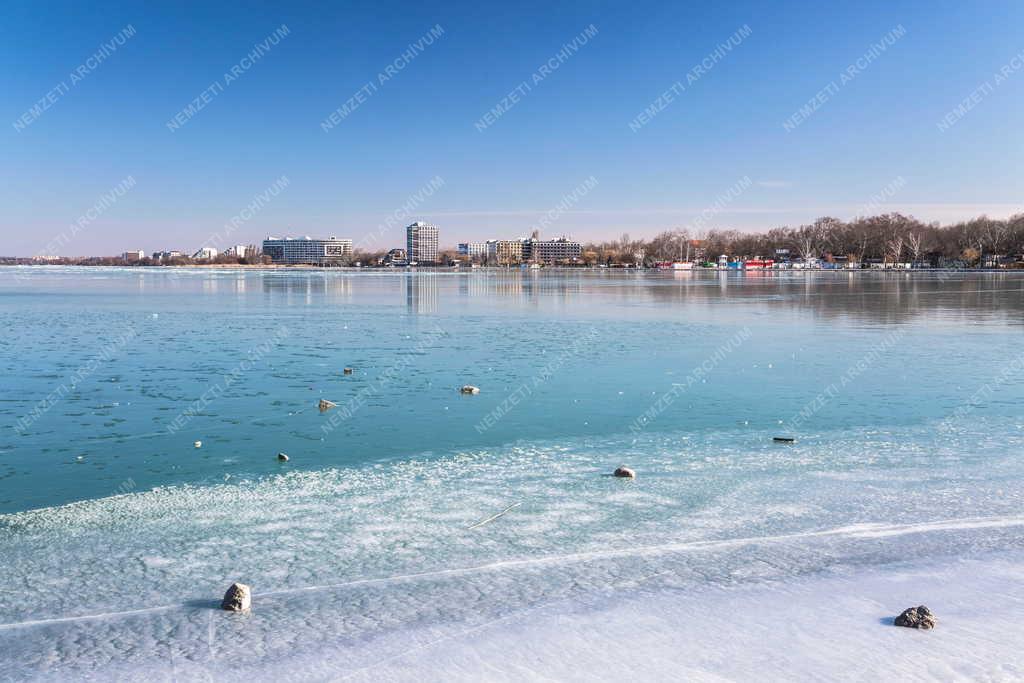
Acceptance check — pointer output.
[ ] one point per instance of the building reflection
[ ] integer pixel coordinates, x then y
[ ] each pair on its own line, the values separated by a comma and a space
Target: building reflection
307, 287
421, 292
523, 286
868, 297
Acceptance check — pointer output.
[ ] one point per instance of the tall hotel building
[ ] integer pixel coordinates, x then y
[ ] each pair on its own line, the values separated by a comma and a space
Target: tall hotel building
421, 243
328, 252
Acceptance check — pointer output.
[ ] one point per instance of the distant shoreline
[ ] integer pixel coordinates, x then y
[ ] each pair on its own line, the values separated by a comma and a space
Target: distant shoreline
520, 268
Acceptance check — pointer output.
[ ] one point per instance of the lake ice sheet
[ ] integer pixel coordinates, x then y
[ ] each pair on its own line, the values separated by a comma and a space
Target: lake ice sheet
730, 556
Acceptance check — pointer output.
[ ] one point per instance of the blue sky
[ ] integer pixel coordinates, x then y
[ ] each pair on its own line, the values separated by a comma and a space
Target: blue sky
574, 124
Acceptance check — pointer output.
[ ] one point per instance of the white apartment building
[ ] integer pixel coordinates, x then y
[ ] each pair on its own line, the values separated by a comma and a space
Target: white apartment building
421, 243
307, 250
473, 249
205, 254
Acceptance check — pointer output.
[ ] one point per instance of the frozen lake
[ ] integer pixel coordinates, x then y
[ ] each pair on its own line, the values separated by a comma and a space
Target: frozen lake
118, 535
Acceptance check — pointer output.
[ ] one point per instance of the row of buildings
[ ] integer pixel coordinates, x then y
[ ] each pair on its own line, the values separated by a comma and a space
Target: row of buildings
422, 247
203, 254
530, 250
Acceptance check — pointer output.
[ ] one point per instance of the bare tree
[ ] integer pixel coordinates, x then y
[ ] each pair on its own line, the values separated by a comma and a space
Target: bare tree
891, 237
828, 230
666, 246
807, 240
682, 238
993, 235
894, 248
970, 234
914, 242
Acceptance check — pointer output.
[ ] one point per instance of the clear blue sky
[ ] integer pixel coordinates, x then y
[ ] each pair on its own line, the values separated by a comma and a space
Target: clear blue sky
498, 182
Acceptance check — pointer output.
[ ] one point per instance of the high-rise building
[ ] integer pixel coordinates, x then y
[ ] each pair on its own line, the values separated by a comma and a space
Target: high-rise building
421, 243
298, 250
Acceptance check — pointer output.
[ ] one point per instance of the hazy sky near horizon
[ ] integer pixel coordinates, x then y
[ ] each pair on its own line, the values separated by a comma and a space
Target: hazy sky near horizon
884, 123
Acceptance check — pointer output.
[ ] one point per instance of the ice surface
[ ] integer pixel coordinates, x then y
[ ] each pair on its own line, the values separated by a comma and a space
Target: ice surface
589, 577
835, 627
832, 626
728, 558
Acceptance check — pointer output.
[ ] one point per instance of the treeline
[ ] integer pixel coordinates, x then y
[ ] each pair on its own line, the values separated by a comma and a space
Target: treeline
892, 238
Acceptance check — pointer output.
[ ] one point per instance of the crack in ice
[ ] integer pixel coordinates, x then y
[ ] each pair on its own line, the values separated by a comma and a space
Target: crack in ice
864, 530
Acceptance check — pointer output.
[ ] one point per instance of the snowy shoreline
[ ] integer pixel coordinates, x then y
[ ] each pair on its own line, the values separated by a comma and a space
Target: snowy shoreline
834, 625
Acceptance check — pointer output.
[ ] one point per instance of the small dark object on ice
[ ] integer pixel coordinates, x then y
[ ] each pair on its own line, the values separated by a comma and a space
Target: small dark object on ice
916, 617
237, 599
347, 371
783, 439
625, 472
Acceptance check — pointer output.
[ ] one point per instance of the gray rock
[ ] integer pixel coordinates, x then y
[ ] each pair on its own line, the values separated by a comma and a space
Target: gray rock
625, 472
916, 617
238, 598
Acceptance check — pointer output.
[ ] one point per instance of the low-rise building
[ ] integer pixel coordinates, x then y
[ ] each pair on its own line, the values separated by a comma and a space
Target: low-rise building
551, 251
205, 254
133, 256
505, 252
394, 257
166, 255
473, 249
307, 250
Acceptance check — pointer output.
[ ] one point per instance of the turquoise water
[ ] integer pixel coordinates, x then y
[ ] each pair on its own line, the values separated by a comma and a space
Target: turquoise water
608, 346
903, 393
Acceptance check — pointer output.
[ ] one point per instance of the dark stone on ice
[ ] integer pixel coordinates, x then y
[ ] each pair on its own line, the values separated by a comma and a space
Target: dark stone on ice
916, 617
237, 599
